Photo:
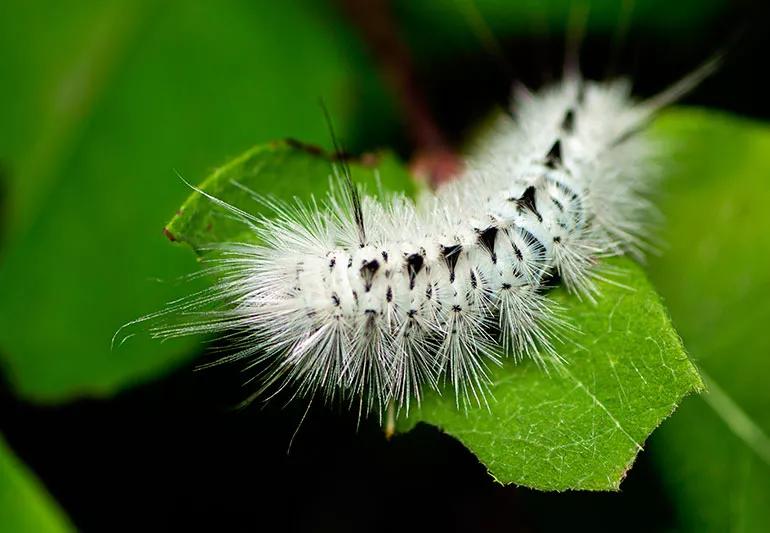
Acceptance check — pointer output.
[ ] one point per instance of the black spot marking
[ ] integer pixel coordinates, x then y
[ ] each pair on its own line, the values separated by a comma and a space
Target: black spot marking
534, 243
451, 254
335, 299
428, 292
517, 252
355, 296
575, 203
568, 191
558, 204
411, 313
385, 256
568, 123
332, 262
350, 261
553, 157
474, 281
456, 308
506, 286
527, 201
557, 239
370, 312
414, 264
487, 240
389, 295
367, 272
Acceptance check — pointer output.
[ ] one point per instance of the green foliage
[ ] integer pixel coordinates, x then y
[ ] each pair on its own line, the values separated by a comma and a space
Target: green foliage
715, 279
283, 170
106, 101
25, 507
579, 427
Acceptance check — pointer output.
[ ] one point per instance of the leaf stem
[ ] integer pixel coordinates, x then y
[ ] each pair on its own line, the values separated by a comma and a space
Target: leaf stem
434, 159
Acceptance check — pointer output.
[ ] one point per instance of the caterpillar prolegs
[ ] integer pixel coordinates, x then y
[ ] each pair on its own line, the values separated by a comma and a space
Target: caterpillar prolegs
376, 300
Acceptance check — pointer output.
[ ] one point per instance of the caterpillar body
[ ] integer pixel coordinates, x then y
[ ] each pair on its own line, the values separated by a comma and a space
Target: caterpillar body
374, 301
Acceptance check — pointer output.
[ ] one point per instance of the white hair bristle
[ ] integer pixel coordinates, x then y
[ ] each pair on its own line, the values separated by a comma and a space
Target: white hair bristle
375, 301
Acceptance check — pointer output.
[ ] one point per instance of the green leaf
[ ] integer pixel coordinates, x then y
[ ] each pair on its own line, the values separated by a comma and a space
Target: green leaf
25, 506
715, 278
581, 427
101, 103
282, 169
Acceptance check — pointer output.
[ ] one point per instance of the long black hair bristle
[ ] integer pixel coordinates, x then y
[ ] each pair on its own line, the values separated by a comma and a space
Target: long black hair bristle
341, 168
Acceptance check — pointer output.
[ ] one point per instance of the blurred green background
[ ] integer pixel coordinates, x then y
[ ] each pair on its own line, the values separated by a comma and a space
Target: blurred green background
103, 102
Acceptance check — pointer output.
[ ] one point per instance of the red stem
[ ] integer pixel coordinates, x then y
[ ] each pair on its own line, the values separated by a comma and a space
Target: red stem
433, 159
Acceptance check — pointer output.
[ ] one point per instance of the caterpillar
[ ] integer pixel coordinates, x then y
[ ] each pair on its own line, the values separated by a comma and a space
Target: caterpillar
377, 300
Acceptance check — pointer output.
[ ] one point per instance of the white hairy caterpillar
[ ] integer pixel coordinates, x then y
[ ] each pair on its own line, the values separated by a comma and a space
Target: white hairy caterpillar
376, 301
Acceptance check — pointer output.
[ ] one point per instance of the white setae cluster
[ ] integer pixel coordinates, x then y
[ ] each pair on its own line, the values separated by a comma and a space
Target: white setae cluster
374, 301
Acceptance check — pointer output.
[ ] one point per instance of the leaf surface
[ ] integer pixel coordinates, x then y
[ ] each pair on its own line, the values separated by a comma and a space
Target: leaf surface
282, 169
580, 427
